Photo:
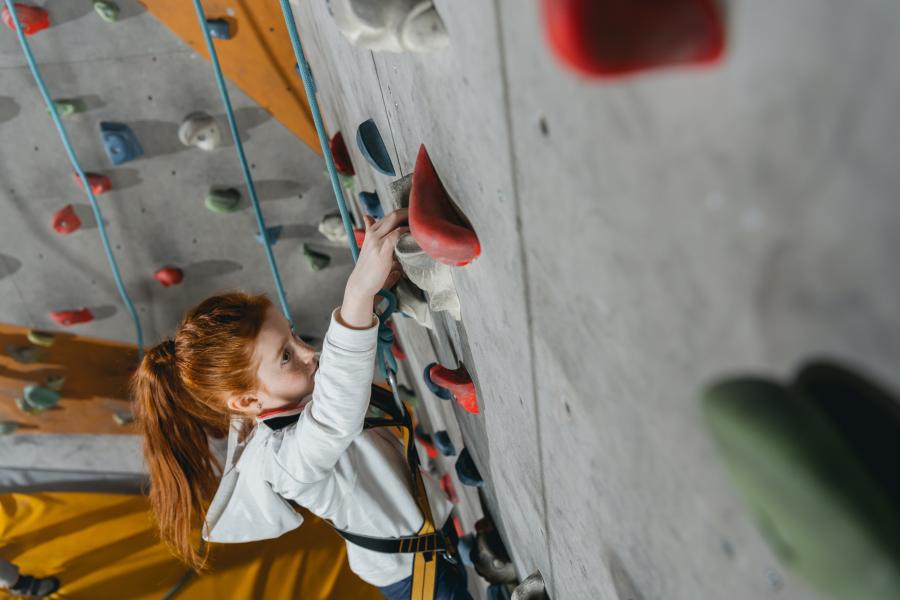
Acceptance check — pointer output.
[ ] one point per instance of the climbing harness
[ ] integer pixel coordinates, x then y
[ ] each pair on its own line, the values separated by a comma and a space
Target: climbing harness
82, 177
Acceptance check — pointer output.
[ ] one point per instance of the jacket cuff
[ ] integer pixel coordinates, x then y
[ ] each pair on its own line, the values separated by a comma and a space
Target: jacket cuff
352, 339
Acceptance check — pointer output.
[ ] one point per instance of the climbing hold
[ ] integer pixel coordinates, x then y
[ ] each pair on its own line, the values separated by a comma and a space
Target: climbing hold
408, 396
55, 382
31, 18
370, 202
612, 38
399, 190
316, 260
67, 318
201, 130
66, 220
120, 142
169, 276
429, 275
8, 427
68, 106
423, 438
347, 181
437, 390
490, 556
397, 349
223, 200
26, 408
26, 354
448, 489
41, 338
340, 155
465, 546
531, 588
219, 29
466, 470
444, 443
411, 303
457, 382
40, 398
272, 234
100, 184
391, 26
368, 138
498, 591
123, 417
332, 227
108, 10
433, 220
359, 234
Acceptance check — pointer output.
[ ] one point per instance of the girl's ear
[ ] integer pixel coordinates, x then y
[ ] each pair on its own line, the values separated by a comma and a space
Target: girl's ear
243, 404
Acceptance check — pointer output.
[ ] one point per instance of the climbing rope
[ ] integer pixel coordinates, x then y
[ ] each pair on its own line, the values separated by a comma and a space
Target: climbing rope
242, 158
51, 108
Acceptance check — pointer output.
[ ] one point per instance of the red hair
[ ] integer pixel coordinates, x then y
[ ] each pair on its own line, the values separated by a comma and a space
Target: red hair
180, 391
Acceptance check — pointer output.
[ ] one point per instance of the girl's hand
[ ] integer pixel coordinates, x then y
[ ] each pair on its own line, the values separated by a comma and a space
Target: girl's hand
376, 267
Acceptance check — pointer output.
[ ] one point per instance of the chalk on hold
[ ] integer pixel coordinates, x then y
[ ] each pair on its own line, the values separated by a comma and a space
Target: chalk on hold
68, 106
55, 382
391, 25
40, 398
437, 390
8, 427
219, 29
26, 354
434, 221
531, 588
120, 142
273, 233
399, 190
223, 200
108, 10
31, 18
332, 227
340, 155
67, 318
100, 184
41, 338
66, 220
123, 417
448, 489
316, 260
612, 38
444, 443
458, 383
467, 471
201, 130
370, 143
372, 204
411, 303
429, 275
169, 276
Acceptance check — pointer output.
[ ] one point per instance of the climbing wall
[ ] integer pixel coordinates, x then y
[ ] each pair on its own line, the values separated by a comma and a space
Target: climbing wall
641, 238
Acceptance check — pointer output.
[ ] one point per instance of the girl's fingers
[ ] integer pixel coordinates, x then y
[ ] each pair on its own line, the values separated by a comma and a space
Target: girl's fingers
368, 222
393, 236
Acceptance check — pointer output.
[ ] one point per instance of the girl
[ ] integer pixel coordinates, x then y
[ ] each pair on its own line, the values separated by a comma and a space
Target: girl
234, 355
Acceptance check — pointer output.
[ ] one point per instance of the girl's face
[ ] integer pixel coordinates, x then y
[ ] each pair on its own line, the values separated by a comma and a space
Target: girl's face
286, 366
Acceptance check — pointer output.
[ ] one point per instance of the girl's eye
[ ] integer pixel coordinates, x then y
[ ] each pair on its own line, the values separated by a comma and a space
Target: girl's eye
286, 356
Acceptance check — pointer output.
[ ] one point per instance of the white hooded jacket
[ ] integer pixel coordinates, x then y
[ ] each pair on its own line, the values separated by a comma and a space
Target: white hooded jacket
319, 456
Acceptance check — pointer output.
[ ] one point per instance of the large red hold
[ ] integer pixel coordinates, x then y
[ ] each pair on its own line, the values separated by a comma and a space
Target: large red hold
32, 18
100, 184
340, 155
67, 318
169, 276
613, 38
65, 220
433, 220
458, 383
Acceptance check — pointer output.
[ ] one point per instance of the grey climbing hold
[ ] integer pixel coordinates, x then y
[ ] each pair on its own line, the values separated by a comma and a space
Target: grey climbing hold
26, 354
390, 25
55, 382
370, 143
68, 106
201, 130
273, 233
108, 10
316, 260
332, 227
490, 556
223, 200
41, 338
123, 417
8, 427
40, 398
531, 588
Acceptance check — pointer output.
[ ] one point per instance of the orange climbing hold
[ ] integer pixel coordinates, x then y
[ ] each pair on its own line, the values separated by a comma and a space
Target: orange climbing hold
67, 318
169, 276
341, 156
100, 184
65, 220
613, 38
360, 234
32, 18
433, 220
458, 383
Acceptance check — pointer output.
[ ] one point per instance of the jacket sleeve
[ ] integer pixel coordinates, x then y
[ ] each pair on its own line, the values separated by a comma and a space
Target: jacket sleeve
335, 414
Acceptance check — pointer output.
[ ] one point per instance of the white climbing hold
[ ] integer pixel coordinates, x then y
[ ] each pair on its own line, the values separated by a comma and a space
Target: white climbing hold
431, 276
391, 25
332, 227
201, 130
412, 303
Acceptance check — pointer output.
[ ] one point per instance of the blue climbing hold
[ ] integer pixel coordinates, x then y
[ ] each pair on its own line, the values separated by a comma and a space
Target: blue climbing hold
219, 29
467, 471
437, 390
368, 138
464, 546
273, 233
40, 398
120, 142
443, 443
372, 204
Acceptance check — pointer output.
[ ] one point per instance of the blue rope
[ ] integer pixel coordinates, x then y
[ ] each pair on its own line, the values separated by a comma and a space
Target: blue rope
239, 147
51, 107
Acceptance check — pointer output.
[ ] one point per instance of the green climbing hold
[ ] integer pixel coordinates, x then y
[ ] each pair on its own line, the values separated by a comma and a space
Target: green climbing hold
26, 354
316, 260
67, 106
347, 181
41, 338
8, 427
55, 382
27, 408
224, 200
40, 398
108, 10
123, 417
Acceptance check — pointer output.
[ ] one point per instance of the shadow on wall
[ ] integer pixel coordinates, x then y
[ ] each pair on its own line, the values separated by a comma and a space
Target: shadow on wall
9, 108
270, 189
9, 265
210, 269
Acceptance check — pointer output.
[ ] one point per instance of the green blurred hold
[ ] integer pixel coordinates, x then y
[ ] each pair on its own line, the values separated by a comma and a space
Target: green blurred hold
223, 201
813, 499
40, 398
316, 260
41, 338
347, 181
108, 11
26, 408
26, 354
55, 382
67, 106
8, 427
407, 395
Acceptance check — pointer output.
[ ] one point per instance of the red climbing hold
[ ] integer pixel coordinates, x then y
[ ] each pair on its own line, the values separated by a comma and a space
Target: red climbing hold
458, 383
340, 155
448, 489
396, 348
433, 220
32, 18
68, 318
612, 38
100, 184
360, 234
169, 276
65, 220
